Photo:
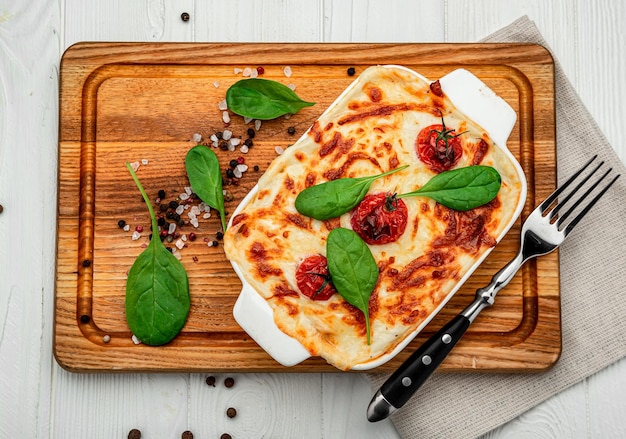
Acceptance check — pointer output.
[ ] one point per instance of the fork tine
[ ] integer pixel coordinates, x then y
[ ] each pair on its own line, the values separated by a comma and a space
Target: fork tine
548, 201
589, 205
562, 202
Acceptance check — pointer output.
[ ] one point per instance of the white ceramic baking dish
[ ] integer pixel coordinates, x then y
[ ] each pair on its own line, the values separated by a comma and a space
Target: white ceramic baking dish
470, 95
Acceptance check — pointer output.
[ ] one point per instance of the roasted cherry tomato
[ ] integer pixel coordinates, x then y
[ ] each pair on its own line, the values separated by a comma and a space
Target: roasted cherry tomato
313, 278
438, 147
379, 218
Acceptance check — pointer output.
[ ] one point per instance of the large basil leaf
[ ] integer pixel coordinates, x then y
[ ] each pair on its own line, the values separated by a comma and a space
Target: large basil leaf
352, 268
157, 289
203, 171
263, 99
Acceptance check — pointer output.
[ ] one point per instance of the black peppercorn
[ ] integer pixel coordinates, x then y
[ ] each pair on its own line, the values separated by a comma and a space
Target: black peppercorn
161, 222
210, 381
230, 173
163, 207
219, 235
1, 208
256, 168
233, 163
351, 71
219, 135
231, 412
291, 130
134, 434
248, 143
173, 204
121, 224
86, 263
161, 194
186, 435
251, 133
226, 436
184, 16
229, 382
85, 318
223, 145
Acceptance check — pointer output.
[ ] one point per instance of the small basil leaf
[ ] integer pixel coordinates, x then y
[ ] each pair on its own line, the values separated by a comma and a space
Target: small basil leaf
352, 268
157, 289
334, 198
263, 99
462, 188
205, 177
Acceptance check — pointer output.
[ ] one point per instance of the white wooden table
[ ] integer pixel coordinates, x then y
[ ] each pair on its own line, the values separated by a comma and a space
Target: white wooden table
38, 399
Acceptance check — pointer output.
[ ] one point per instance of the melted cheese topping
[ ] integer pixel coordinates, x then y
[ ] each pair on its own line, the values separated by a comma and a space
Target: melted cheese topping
371, 129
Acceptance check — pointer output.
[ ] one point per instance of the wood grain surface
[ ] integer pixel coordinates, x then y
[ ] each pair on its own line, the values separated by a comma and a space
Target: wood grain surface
133, 101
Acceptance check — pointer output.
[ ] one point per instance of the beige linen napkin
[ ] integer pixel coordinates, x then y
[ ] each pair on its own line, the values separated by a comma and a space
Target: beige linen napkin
593, 273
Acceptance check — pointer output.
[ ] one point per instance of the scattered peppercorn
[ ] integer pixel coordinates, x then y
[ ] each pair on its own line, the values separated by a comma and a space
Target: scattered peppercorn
173, 204
163, 207
226, 436
215, 244
139, 229
260, 70
1, 208
229, 382
161, 194
121, 224
192, 236
233, 163
210, 381
134, 434
219, 235
86, 263
184, 16
223, 145
251, 133
85, 318
186, 435
248, 143
230, 173
351, 71
219, 135
228, 196
256, 168
161, 221
231, 412
240, 160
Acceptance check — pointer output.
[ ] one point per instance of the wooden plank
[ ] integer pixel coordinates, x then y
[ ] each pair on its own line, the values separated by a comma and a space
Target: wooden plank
127, 102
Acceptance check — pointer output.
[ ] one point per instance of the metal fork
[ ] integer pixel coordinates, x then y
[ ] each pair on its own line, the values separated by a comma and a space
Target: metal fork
544, 230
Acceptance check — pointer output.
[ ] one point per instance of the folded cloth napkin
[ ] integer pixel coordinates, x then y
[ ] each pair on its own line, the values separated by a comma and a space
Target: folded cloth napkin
593, 325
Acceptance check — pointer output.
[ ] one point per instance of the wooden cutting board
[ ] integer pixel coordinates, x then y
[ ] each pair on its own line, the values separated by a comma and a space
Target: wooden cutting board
143, 103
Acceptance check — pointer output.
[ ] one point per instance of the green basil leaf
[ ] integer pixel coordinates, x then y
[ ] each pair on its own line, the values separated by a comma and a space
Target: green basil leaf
462, 188
352, 268
263, 99
157, 289
205, 177
334, 198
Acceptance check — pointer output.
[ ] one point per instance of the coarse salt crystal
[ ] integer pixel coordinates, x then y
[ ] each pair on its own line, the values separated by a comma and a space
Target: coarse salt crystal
279, 150
207, 215
184, 238
226, 117
227, 134
257, 124
135, 339
126, 228
177, 254
197, 137
242, 167
237, 70
210, 243
180, 244
204, 207
287, 71
235, 141
214, 138
292, 86
231, 147
180, 209
106, 338
188, 190
244, 149
237, 173
136, 235
222, 105
216, 84
144, 161
171, 228
194, 222
135, 166
254, 73
288, 116
184, 196
247, 120
195, 210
